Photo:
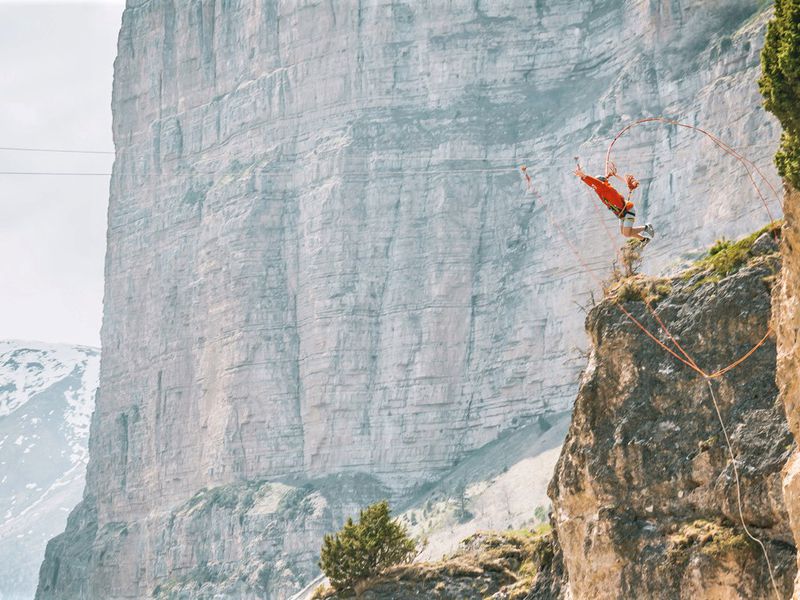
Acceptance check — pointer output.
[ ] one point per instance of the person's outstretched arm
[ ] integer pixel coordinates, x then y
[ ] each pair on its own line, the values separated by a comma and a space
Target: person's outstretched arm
612, 172
587, 179
592, 182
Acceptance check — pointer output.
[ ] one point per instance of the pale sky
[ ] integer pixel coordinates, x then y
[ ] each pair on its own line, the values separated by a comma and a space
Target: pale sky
56, 60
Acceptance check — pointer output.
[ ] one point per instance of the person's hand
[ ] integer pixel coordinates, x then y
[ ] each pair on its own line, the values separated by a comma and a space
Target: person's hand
611, 170
579, 172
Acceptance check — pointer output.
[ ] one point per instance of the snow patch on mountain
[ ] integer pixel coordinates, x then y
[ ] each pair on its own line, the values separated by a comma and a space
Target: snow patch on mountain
46, 402
29, 368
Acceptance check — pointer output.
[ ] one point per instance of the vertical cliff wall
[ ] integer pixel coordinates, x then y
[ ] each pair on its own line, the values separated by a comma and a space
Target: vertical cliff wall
787, 323
321, 261
644, 495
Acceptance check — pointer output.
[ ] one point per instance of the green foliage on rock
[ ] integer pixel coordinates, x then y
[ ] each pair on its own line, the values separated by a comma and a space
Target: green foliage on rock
540, 514
726, 256
709, 538
362, 550
780, 83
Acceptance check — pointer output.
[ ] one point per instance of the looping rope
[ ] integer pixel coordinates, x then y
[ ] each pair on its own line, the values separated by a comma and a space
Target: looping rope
750, 168
678, 352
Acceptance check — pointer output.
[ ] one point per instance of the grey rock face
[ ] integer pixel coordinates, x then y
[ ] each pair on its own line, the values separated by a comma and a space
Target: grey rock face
46, 400
321, 257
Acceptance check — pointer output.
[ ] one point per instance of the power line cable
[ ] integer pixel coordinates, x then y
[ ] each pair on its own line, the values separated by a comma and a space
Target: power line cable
58, 150
54, 173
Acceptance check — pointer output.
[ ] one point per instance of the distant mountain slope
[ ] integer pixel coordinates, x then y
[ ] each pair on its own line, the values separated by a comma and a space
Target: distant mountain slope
46, 402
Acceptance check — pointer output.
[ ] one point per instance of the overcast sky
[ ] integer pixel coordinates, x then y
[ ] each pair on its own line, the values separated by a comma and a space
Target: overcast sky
55, 92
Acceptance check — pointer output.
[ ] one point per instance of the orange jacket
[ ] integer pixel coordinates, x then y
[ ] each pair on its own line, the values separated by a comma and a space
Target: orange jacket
611, 197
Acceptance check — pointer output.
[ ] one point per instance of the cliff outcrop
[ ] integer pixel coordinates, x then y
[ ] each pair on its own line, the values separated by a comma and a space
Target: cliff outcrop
512, 565
323, 273
644, 495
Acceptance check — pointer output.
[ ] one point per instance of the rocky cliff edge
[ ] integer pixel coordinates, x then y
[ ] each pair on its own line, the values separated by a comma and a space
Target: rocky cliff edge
644, 494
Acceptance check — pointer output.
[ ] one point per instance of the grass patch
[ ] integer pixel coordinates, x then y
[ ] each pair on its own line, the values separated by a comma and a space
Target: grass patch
627, 285
508, 561
711, 538
515, 557
638, 288
323, 591
726, 257
537, 555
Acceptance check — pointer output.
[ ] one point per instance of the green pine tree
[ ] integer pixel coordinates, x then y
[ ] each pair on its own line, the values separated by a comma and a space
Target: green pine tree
780, 84
362, 550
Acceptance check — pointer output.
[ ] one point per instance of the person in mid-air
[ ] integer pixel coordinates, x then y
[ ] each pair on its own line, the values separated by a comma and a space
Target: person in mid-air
621, 207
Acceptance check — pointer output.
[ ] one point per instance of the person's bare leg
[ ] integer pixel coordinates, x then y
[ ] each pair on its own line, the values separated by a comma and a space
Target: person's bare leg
633, 232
